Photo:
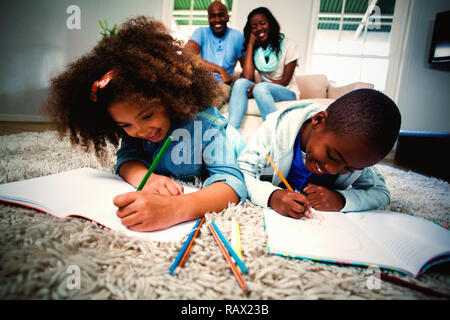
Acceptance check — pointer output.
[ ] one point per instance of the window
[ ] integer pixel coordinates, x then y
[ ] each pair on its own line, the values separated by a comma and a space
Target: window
188, 15
352, 41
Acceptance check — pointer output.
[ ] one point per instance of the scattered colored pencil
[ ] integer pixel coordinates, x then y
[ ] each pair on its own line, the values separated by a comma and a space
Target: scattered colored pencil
188, 250
229, 248
227, 257
236, 238
414, 286
154, 163
184, 248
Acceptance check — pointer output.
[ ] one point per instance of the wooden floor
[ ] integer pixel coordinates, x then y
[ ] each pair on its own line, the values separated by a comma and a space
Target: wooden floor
7, 127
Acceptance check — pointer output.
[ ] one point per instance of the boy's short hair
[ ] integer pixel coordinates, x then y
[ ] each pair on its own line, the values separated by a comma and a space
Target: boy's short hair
366, 114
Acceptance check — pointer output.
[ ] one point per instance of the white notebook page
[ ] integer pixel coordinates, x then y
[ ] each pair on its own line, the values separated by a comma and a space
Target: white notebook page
327, 236
413, 240
87, 193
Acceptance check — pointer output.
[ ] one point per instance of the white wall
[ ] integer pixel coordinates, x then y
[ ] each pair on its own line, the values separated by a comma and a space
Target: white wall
423, 95
36, 45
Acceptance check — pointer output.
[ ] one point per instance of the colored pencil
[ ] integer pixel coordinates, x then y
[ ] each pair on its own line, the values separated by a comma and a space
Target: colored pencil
414, 286
285, 182
279, 173
230, 249
236, 238
188, 250
227, 257
154, 163
184, 248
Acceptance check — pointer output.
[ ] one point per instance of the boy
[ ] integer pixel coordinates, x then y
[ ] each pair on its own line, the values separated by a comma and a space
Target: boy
323, 152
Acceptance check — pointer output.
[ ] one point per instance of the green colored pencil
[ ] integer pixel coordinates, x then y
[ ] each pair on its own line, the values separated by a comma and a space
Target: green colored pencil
154, 163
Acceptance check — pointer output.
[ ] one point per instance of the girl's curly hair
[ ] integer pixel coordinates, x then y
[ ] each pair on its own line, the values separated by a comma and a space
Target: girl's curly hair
148, 69
274, 37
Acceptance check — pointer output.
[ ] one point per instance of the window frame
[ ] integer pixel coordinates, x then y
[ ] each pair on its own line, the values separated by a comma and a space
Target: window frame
399, 28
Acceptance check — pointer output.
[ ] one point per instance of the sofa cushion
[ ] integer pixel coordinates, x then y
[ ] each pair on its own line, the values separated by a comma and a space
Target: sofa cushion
253, 110
335, 92
249, 126
323, 101
252, 121
312, 86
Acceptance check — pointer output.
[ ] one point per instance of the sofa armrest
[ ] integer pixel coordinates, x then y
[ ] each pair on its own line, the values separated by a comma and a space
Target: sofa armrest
335, 92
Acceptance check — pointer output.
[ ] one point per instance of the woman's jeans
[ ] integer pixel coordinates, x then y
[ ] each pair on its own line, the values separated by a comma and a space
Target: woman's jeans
265, 94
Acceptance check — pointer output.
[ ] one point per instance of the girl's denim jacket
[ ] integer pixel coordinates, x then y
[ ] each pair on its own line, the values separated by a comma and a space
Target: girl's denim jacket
199, 148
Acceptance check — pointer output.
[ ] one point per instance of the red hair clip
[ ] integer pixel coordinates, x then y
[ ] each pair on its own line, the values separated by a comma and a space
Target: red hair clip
100, 84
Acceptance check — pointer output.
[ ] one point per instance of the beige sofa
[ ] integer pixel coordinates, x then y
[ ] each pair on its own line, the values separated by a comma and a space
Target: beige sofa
314, 87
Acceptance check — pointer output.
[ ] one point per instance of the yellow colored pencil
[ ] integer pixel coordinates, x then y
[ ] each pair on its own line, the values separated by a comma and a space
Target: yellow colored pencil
227, 257
279, 173
236, 238
308, 209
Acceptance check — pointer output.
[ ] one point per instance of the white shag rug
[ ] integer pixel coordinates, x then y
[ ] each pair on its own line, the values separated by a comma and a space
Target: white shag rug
41, 256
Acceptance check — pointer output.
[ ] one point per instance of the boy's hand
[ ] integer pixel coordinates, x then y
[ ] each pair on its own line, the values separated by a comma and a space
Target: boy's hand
163, 185
288, 203
324, 199
146, 210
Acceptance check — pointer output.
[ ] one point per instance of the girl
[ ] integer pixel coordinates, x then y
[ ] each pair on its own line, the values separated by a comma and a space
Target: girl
138, 87
275, 57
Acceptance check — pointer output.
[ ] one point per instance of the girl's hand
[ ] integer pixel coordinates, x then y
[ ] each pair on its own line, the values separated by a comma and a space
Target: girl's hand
324, 199
147, 211
163, 185
250, 91
288, 203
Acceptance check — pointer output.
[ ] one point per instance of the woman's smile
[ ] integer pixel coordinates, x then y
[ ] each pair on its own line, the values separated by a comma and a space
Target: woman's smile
260, 27
261, 35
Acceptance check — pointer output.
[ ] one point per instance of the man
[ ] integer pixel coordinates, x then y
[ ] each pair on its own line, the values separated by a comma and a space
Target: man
217, 46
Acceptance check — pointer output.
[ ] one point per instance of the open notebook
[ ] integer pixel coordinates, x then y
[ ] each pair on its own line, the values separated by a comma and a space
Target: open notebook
86, 193
387, 239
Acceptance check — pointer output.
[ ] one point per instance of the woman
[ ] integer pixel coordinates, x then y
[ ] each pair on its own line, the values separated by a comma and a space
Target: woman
275, 57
